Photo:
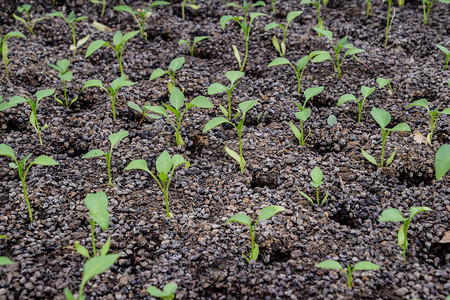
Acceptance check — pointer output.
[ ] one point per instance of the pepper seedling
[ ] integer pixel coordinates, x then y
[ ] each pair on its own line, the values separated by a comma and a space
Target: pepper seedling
174, 66
389, 21
265, 214
114, 138
442, 161
140, 16
143, 111
118, 45
382, 82
434, 115
244, 107
304, 114
112, 89
22, 169
102, 2
394, 215
447, 54
65, 75
176, 100
365, 91
188, 3
217, 88
196, 40
348, 271
4, 47
316, 176
281, 47
427, 7
316, 4
165, 166
168, 292
274, 2
29, 24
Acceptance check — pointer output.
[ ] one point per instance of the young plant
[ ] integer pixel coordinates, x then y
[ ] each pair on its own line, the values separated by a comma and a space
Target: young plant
65, 75
165, 166
174, 66
265, 214
22, 168
176, 101
196, 40
274, 2
188, 3
348, 271
316, 4
72, 21
427, 7
114, 138
143, 111
112, 89
365, 91
442, 161
5, 261
342, 43
244, 107
102, 2
281, 48
97, 204
304, 114
447, 54
140, 16
217, 88
368, 8
29, 24
316, 176
382, 82
168, 292
394, 215
4, 47
245, 7
91, 268
389, 21
118, 45
383, 118
14, 101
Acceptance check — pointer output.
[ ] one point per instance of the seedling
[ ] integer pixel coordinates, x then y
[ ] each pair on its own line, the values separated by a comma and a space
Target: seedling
72, 21
143, 111
245, 7
365, 91
114, 138
348, 271
382, 82
168, 292
14, 101
316, 176
316, 4
342, 43
22, 169
118, 45
383, 118
102, 2
174, 66
281, 48
165, 166
4, 47
65, 75
196, 40
112, 89
244, 107
265, 214
140, 16
389, 21
217, 88
434, 114
91, 268
4, 261
29, 24
97, 204
427, 7
274, 2
304, 114
442, 161
394, 215
332, 120
447, 54
368, 8
176, 101
188, 3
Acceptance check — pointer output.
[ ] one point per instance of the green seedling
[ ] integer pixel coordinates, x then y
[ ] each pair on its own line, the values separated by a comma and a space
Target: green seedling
168, 292
265, 214
426, 4
342, 43
447, 55
244, 107
188, 3
143, 111
102, 2
4, 47
383, 118
177, 100
174, 66
217, 88
332, 120
348, 271
245, 7
140, 16
368, 8
196, 40
14, 101
281, 47
394, 215
434, 115
29, 24
442, 161
97, 204
165, 166
389, 21
72, 21
112, 89
365, 91
382, 82
91, 268
22, 169
118, 45
65, 75
114, 138
316, 4
304, 114
4, 261
316, 176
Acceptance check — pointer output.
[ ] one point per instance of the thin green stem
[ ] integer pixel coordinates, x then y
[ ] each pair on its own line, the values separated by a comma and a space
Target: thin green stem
247, 36
302, 142
93, 237
103, 8
229, 103
80, 291
74, 41
382, 147
108, 165
360, 105
30, 214
183, 4
113, 101
240, 151
166, 199
368, 8
252, 235
317, 195
388, 23
65, 93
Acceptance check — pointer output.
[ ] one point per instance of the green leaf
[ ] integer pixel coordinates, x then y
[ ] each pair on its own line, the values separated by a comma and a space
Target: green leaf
82, 250
332, 120
180, 42
269, 211
105, 247
353, 51
114, 138
97, 204
441, 161
129, 35
316, 175
164, 163
401, 127
295, 131
365, 265
177, 160
233, 76
138, 164
44, 160
5, 261
442, 48
224, 20
66, 77
68, 294
213, 123
369, 157
83, 41
124, 8
392, 215
200, 38
176, 98
382, 82
134, 106
421, 103
216, 88
329, 264
259, 3
94, 153
345, 98
156, 3
44, 93
93, 82
301, 63
255, 253
279, 61
166, 294
247, 105
306, 196
94, 46
292, 15
366, 91
14, 34
391, 157
98, 265
271, 26
323, 56
382, 117
176, 63
325, 32
414, 210
304, 114
234, 155
202, 102
7, 151
117, 38
254, 15
121, 82
157, 73
240, 218
311, 92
